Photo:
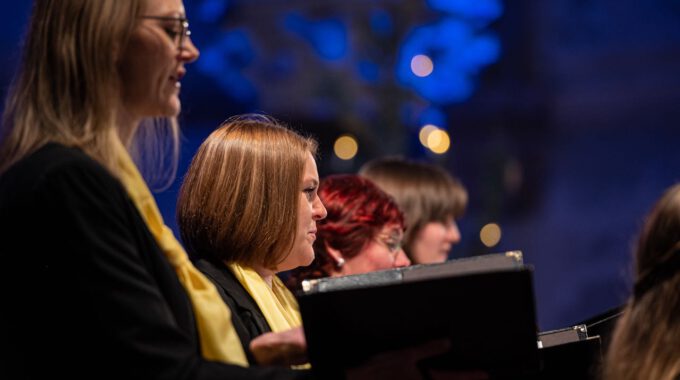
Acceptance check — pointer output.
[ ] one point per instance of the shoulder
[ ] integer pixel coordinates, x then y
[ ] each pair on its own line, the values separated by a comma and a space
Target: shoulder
55, 164
61, 185
234, 294
225, 281
248, 320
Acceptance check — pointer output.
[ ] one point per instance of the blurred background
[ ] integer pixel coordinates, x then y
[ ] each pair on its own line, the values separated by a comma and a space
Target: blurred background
560, 117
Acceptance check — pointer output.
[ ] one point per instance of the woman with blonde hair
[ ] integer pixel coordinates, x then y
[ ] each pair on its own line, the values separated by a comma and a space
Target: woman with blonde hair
247, 210
95, 286
645, 341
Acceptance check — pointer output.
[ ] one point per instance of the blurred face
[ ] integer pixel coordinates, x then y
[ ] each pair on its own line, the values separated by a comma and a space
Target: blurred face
152, 64
382, 252
433, 242
310, 210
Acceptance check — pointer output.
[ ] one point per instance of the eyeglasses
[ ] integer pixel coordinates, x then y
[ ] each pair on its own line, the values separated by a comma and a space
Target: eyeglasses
177, 35
391, 242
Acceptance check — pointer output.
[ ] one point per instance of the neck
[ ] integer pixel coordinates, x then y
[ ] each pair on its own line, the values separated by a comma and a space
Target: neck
266, 274
127, 126
334, 272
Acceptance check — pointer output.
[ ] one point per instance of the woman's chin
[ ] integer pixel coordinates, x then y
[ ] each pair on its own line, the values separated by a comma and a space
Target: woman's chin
307, 258
174, 107
310, 260
171, 107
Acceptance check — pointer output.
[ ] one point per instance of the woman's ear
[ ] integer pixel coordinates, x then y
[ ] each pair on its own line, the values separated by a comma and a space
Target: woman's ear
336, 256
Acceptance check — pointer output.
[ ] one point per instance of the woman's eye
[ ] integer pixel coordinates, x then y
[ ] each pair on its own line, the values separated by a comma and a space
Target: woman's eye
310, 193
172, 33
393, 245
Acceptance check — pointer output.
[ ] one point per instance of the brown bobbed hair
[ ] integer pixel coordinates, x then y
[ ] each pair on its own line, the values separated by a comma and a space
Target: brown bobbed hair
240, 197
424, 192
645, 341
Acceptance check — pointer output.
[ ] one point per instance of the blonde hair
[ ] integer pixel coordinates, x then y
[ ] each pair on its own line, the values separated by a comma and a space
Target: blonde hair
239, 200
424, 192
68, 88
645, 340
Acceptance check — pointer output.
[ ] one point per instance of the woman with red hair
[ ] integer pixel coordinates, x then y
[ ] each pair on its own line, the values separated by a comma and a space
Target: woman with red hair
362, 232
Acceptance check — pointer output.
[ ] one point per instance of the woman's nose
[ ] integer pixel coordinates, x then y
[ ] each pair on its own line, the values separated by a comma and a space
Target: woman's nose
319, 210
401, 260
452, 232
189, 52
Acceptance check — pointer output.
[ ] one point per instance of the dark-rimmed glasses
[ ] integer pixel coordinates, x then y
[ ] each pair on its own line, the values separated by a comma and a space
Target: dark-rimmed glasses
177, 35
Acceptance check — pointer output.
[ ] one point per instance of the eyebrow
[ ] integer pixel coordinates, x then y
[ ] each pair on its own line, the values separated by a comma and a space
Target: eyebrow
173, 14
167, 18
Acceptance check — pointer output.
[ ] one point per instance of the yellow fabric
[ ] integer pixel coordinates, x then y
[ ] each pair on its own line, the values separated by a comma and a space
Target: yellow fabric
278, 304
218, 337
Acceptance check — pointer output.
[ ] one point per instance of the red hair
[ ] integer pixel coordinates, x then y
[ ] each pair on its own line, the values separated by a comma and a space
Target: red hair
357, 211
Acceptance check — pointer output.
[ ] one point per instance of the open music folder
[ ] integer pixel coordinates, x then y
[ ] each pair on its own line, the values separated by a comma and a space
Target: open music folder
469, 314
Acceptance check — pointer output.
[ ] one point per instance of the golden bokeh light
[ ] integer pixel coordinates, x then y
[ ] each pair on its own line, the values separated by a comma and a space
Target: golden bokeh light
425, 133
346, 147
439, 141
490, 235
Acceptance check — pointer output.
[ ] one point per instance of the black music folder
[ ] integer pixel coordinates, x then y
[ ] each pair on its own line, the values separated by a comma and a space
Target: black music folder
474, 318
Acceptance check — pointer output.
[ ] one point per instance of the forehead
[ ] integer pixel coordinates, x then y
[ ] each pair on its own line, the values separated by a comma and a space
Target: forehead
310, 167
164, 7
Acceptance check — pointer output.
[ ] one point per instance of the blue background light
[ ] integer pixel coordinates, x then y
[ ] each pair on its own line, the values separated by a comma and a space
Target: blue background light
478, 10
458, 54
328, 37
225, 60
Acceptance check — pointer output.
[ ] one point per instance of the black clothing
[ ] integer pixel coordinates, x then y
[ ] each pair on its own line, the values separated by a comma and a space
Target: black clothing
245, 314
86, 292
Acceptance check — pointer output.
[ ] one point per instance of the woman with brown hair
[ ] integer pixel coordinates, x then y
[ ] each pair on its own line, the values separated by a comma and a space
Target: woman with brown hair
431, 199
645, 341
95, 286
247, 210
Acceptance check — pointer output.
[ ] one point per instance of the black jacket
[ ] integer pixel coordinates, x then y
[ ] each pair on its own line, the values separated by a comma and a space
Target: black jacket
86, 292
246, 315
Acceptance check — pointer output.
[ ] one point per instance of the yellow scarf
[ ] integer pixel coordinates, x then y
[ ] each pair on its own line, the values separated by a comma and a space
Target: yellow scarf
277, 303
218, 337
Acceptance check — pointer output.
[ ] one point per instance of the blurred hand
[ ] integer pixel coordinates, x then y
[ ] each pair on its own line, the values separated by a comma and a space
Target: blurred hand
284, 348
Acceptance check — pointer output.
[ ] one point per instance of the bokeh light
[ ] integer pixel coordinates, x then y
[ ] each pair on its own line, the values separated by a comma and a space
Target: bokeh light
346, 147
425, 133
461, 52
422, 65
438, 141
490, 234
